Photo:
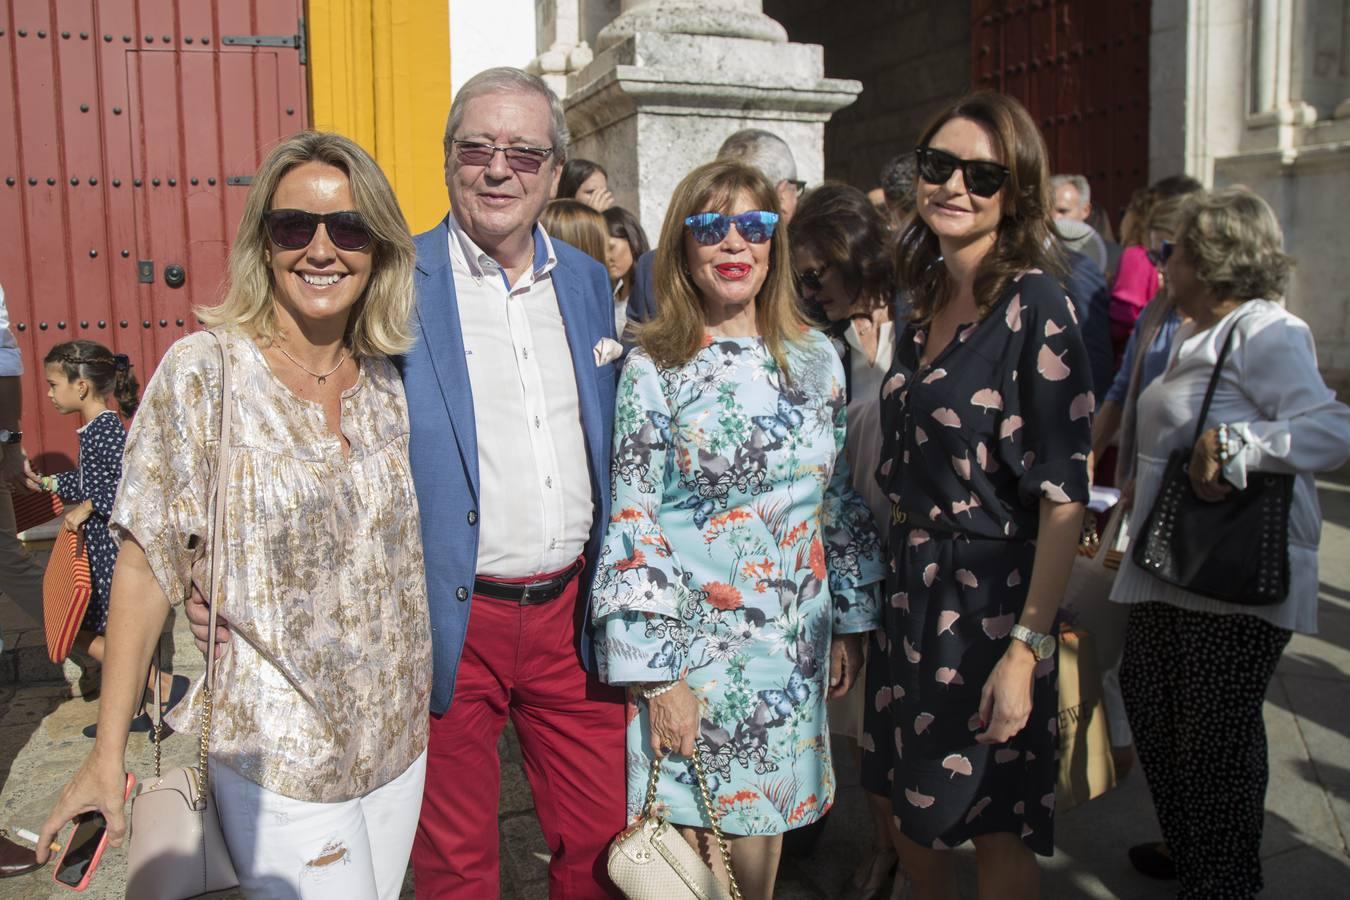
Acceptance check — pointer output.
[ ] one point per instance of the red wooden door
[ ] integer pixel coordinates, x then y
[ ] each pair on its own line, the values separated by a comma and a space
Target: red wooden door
134, 126
1081, 68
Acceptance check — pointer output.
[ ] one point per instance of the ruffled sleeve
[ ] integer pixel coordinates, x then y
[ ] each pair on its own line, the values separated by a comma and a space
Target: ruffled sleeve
639, 591
1305, 429
166, 469
853, 556
1054, 399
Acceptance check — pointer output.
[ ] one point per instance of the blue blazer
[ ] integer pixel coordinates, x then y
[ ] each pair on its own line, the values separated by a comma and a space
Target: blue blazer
642, 296
444, 442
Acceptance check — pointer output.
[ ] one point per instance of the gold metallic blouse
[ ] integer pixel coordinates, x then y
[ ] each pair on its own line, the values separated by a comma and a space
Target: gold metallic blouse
323, 695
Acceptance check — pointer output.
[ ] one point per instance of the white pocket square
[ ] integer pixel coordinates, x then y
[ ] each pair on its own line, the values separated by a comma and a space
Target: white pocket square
606, 351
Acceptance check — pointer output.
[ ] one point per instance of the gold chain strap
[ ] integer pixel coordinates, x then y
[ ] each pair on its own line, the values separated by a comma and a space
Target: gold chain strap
203, 767
707, 804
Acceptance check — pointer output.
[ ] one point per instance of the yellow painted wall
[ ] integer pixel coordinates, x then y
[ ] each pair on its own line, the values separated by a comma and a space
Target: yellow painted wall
379, 72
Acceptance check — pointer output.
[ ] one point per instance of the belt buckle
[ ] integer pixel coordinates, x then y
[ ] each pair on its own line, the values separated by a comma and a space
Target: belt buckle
525, 595
898, 516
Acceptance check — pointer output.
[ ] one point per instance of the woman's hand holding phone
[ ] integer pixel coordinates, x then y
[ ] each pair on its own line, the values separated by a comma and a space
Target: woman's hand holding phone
100, 790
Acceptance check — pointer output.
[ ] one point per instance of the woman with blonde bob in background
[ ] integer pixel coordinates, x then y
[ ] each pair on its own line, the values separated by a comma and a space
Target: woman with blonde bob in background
319, 730
738, 572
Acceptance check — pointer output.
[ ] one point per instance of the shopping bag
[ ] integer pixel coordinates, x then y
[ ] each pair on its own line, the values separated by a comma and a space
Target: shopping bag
1086, 769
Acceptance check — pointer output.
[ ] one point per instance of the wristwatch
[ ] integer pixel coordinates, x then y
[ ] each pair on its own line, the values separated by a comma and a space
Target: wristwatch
1042, 645
10, 437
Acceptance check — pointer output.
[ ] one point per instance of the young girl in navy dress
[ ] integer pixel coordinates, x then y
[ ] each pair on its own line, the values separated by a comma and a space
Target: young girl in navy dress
81, 377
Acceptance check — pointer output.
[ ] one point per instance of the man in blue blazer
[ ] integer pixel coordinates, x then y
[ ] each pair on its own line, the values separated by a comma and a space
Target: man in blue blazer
510, 391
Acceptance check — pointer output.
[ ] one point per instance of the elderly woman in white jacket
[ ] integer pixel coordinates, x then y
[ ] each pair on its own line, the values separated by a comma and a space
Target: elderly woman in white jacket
1195, 670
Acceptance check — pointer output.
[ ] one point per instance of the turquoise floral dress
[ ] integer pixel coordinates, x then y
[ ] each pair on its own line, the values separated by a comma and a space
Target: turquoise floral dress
735, 550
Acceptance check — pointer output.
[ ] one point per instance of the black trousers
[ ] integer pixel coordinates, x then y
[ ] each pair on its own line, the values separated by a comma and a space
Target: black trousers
1194, 684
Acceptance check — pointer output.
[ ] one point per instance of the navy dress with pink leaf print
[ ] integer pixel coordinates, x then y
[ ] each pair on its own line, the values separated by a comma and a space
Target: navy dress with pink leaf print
973, 441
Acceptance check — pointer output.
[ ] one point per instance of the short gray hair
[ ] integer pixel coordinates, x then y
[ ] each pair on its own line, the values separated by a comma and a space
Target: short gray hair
1233, 241
763, 150
1080, 184
506, 79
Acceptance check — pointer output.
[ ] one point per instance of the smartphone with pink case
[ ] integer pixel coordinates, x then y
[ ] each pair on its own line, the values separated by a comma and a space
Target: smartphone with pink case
84, 849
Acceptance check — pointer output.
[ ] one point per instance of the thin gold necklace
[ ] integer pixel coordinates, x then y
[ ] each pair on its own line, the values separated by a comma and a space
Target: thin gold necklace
323, 379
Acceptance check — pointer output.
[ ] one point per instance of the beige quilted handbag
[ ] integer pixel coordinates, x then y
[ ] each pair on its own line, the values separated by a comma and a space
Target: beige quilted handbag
651, 860
176, 848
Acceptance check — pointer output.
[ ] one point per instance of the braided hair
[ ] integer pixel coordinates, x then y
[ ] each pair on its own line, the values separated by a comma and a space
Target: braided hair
109, 373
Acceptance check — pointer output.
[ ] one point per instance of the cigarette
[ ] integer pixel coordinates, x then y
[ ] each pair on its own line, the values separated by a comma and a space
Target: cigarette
33, 839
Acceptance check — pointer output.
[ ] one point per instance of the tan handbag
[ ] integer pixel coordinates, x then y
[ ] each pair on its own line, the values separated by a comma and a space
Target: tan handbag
176, 849
651, 860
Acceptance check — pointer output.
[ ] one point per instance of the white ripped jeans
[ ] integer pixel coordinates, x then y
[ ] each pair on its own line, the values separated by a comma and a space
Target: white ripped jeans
286, 849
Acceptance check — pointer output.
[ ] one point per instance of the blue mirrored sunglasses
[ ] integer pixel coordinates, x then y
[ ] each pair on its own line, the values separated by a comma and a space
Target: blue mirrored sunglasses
709, 228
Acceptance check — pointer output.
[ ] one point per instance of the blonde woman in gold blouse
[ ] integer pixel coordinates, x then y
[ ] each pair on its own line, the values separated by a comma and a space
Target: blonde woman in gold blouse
320, 728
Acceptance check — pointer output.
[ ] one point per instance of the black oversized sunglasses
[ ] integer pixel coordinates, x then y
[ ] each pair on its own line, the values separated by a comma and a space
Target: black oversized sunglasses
520, 159
810, 278
983, 178
294, 229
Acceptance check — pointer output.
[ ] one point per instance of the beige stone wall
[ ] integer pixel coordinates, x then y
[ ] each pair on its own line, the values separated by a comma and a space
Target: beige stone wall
1246, 93
912, 57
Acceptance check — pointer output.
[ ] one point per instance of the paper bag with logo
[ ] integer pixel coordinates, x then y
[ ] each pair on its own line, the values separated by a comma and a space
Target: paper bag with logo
1085, 766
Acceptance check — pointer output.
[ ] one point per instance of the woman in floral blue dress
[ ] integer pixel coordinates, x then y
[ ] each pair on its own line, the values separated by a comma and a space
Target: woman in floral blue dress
739, 569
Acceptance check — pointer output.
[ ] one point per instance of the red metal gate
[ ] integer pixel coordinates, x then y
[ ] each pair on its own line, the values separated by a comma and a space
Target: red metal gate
1081, 68
133, 129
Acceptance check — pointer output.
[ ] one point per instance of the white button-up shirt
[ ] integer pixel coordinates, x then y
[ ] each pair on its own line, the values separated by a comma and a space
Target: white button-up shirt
534, 488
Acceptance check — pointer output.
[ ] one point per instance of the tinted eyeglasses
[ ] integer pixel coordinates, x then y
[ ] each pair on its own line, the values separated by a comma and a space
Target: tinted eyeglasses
810, 278
983, 178
1160, 256
294, 229
520, 159
709, 228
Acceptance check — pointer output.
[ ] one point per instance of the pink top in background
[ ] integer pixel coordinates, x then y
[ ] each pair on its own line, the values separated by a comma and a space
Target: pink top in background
1136, 283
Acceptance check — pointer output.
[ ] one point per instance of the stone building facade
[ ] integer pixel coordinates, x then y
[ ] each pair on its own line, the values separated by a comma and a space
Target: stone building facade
1255, 92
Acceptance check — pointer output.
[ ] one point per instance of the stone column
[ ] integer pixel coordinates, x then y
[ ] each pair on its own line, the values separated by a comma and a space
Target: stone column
562, 50
673, 78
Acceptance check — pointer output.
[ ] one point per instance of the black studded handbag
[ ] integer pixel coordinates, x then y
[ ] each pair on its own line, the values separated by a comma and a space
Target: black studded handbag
1236, 549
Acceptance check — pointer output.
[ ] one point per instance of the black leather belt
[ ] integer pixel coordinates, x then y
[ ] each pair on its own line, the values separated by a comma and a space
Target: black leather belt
529, 593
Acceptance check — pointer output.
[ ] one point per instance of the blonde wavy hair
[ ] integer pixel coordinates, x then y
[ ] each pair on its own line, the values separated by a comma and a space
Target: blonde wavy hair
1234, 242
575, 223
380, 322
677, 331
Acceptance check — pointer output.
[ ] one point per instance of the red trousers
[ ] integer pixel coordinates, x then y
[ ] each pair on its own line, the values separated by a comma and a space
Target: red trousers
522, 661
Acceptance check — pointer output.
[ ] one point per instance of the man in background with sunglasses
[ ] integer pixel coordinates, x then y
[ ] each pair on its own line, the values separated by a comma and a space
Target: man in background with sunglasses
511, 400
758, 149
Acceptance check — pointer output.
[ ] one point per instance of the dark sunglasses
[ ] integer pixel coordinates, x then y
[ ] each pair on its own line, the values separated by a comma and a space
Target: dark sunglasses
520, 159
294, 229
709, 228
810, 278
983, 178
1160, 256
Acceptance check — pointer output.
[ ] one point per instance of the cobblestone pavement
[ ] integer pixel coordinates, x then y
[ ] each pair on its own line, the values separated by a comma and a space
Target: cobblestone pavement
1307, 809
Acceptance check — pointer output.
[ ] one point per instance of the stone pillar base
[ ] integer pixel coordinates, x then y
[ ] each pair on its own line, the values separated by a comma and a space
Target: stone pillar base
657, 104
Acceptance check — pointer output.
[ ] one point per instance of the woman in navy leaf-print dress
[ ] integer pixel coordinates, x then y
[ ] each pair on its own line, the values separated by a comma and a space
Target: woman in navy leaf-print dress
986, 435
